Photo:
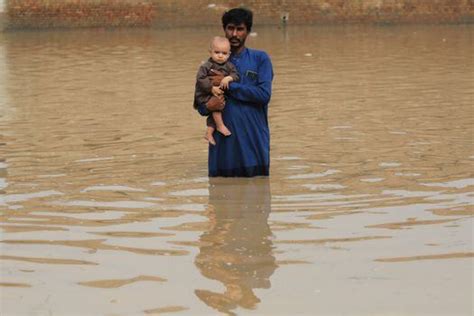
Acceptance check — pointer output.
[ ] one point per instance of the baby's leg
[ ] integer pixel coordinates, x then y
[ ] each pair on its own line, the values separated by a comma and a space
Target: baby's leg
211, 127
209, 137
217, 116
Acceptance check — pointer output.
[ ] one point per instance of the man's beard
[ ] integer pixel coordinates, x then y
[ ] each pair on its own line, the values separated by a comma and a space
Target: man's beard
235, 42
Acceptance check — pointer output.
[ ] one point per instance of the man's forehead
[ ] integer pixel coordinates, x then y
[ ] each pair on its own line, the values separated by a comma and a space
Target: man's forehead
237, 25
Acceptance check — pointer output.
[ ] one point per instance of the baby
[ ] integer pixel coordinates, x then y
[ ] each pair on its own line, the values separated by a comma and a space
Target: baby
220, 53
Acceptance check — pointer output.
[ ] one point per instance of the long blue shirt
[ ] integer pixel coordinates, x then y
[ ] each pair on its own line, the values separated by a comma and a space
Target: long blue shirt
245, 153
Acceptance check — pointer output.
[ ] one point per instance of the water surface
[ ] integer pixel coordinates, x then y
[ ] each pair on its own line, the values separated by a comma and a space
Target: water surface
105, 196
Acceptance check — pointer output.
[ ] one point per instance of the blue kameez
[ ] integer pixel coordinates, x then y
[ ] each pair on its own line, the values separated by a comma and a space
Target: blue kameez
245, 153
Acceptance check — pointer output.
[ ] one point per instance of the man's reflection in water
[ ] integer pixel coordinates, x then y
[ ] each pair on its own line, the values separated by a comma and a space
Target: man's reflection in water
237, 249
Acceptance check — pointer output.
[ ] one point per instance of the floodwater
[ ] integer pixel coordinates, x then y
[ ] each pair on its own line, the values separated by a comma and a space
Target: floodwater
107, 208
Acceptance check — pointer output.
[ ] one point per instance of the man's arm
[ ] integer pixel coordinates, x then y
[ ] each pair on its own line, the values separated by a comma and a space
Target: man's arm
260, 93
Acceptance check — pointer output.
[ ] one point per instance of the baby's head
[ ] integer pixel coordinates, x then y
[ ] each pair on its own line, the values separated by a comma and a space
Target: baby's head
219, 49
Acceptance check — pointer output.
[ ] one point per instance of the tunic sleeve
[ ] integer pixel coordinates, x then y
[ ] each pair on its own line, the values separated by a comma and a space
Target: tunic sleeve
260, 92
201, 108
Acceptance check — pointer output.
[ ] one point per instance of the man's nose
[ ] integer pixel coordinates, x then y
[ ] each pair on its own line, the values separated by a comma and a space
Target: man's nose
234, 33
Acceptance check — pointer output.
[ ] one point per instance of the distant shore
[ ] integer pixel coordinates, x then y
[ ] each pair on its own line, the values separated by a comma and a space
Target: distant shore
45, 14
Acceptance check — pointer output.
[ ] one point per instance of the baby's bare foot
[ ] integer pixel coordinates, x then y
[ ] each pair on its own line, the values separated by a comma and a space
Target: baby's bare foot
210, 139
224, 130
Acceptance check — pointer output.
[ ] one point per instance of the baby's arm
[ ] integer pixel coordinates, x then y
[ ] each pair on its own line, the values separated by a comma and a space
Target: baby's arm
233, 72
216, 91
202, 79
233, 76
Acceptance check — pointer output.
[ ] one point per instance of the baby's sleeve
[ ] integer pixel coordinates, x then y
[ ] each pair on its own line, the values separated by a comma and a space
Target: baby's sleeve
202, 79
233, 72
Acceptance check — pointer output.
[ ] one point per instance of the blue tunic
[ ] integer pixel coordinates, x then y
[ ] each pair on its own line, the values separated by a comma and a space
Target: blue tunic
245, 153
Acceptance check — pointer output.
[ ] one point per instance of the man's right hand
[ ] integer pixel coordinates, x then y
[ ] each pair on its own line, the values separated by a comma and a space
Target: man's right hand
216, 103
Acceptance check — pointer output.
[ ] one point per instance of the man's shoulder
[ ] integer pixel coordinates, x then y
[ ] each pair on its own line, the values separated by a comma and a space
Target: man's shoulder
229, 65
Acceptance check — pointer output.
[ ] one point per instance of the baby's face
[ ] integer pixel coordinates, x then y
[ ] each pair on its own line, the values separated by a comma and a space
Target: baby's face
220, 52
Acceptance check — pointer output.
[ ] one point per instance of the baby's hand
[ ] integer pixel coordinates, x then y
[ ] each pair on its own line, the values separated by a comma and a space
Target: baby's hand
225, 82
216, 91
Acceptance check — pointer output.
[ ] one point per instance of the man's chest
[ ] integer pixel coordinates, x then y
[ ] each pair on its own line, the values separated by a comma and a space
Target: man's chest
248, 70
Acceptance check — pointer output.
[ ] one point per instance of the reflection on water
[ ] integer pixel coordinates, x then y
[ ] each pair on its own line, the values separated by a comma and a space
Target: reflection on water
104, 193
237, 248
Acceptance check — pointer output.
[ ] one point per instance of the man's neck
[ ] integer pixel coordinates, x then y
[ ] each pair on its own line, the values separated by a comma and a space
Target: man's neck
238, 51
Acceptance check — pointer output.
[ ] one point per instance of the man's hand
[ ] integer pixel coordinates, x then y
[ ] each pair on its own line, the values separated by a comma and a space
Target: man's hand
216, 77
216, 103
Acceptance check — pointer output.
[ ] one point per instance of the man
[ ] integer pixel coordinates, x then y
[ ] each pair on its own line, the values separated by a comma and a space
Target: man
246, 152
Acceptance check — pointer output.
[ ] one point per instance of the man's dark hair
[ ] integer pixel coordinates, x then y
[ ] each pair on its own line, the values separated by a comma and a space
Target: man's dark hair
237, 16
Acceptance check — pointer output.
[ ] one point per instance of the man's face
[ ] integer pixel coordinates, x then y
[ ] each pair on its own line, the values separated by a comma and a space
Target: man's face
236, 34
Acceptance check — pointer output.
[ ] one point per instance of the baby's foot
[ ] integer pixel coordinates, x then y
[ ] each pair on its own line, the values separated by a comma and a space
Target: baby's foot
224, 130
210, 139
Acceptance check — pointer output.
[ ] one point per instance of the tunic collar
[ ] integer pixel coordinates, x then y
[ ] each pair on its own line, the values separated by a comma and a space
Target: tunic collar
239, 54
235, 58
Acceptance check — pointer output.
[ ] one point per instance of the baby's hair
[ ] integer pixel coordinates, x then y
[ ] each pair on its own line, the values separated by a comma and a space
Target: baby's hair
218, 39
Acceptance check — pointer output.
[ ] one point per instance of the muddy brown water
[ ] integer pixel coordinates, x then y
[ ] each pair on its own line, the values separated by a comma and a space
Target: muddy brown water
107, 208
